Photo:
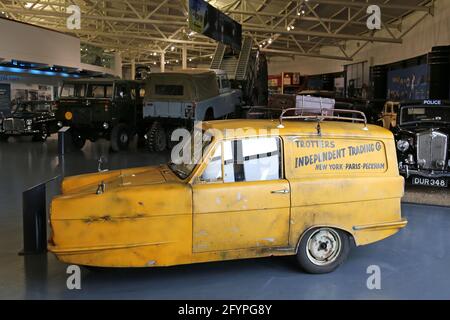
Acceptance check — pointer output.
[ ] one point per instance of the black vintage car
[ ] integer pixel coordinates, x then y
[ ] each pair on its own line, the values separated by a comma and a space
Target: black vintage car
423, 146
101, 108
30, 118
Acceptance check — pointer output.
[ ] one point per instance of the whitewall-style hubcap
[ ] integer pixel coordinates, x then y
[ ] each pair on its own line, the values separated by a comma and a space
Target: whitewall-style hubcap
323, 246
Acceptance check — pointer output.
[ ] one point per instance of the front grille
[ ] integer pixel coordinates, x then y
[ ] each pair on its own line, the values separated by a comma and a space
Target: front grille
14, 124
432, 150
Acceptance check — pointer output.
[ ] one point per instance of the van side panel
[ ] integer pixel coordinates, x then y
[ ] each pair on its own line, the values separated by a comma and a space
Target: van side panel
350, 184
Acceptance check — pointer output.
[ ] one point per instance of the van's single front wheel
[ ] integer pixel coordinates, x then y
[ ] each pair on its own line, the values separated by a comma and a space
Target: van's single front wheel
322, 250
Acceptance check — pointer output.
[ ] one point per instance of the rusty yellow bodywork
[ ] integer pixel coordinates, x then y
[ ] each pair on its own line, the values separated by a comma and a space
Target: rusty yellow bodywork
150, 217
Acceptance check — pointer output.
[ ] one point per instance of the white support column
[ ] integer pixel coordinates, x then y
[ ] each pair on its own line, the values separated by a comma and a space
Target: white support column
184, 56
133, 69
163, 61
118, 65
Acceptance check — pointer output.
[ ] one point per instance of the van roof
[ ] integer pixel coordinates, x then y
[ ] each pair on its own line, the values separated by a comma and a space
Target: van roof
246, 127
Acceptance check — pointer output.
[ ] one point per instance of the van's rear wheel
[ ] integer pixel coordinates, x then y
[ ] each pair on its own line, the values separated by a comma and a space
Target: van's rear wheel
120, 138
156, 138
78, 141
322, 250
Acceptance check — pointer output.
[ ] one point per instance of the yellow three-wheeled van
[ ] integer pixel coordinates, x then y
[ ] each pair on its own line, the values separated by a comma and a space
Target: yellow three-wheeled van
301, 185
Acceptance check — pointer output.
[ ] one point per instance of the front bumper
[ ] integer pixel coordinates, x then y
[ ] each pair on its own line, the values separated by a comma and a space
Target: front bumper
407, 173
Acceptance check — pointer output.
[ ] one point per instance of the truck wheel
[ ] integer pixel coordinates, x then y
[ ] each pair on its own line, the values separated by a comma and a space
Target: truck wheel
322, 250
120, 138
156, 138
41, 136
78, 141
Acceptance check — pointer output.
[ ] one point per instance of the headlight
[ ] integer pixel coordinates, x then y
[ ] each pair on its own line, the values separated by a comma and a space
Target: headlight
402, 145
60, 124
105, 125
29, 122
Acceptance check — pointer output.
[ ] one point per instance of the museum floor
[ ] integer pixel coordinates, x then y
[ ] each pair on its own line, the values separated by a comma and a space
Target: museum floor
414, 263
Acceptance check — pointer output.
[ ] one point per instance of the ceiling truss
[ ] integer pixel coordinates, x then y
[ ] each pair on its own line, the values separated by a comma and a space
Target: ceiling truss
143, 29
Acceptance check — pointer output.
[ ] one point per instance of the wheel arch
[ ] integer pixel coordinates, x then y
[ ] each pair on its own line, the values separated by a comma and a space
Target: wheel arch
348, 232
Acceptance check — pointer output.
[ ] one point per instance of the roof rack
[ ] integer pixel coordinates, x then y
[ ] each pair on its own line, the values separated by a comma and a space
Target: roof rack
325, 114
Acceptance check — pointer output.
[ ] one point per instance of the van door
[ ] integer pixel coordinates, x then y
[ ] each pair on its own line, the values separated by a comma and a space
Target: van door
241, 199
124, 106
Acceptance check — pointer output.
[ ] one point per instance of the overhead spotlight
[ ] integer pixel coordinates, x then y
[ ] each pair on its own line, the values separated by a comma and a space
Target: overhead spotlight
176, 61
190, 59
260, 46
172, 48
155, 63
270, 41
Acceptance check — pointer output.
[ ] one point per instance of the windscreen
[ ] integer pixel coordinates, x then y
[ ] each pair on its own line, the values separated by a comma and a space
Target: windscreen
99, 91
73, 90
416, 114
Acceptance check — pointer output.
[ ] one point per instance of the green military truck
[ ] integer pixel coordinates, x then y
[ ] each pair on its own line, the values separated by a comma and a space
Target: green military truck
101, 108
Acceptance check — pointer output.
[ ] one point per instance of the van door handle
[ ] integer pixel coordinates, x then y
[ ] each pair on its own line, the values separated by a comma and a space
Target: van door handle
284, 191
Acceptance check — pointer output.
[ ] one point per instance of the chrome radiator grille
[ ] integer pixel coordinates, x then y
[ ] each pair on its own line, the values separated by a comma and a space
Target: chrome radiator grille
14, 124
432, 150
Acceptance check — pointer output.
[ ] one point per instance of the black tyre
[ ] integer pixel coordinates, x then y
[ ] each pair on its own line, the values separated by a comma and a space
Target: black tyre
41, 136
322, 250
120, 138
3, 138
78, 141
156, 138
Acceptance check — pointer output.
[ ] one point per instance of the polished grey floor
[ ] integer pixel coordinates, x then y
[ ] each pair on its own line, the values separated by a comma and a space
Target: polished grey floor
414, 264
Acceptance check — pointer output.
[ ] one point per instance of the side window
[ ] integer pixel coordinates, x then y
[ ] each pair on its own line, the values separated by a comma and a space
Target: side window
122, 91
218, 83
253, 159
142, 93
213, 172
395, 109
225, 83
133, 93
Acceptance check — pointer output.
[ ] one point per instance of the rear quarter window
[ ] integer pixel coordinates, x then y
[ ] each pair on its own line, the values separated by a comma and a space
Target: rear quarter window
169, 90
311, 156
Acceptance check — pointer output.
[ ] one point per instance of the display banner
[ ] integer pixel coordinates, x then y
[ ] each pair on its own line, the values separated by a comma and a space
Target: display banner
409, 84
5, 99
209, 21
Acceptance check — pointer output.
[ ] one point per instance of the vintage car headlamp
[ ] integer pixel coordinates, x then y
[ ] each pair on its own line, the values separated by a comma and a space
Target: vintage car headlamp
29, 122
59, 124
105, 125
402, 145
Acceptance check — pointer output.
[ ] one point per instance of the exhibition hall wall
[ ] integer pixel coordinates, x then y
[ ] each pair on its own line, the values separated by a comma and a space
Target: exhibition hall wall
432, 31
